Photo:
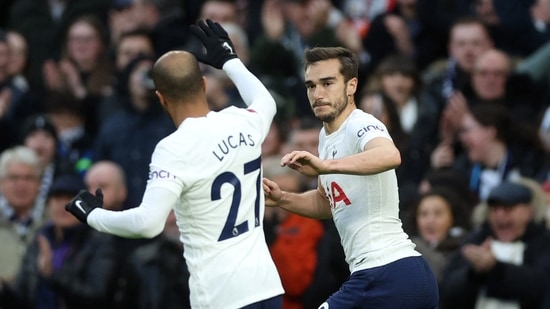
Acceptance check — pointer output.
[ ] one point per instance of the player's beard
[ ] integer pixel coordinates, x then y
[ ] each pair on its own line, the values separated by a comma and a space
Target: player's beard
339, 107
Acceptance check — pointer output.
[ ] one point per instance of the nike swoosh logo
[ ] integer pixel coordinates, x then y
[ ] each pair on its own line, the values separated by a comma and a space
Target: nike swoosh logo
228, 47
77, 203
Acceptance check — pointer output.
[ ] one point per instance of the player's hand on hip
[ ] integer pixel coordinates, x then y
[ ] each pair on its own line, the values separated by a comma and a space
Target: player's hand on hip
304, 162
272, 193
219, 48
84, 203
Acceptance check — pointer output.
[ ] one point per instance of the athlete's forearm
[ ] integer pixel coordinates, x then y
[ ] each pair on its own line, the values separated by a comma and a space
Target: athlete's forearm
250, 87
145, 221
380, 155
308, 204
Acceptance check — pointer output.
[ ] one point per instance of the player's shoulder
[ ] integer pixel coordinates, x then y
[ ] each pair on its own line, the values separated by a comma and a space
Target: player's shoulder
238, 116
241, 111
359, 118
174, 142
360, 122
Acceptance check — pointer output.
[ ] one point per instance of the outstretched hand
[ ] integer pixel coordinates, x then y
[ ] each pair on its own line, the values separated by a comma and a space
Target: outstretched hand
219, 48
304, 162
272, 192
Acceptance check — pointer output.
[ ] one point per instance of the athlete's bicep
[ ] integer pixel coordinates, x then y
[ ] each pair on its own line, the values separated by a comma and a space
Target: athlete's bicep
376, 142
383, 152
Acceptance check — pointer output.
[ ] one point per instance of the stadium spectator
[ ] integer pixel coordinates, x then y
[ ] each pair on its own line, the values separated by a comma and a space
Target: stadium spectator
447, 80
495, 149
84, 71
44, 25
506, 262
16, 102
110, 178
129, 46
40, 135
67, 264
75, 139
438, 223
139, 125
20, 215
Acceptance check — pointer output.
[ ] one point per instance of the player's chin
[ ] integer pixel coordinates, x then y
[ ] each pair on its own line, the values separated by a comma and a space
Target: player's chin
327, 115
321, 111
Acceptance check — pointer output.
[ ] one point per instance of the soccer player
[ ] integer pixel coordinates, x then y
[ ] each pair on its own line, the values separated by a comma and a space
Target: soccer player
357, 187
209, 172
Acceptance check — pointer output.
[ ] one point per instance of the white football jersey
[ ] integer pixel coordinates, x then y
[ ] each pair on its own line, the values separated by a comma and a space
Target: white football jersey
365, 209
209, 172
214, 164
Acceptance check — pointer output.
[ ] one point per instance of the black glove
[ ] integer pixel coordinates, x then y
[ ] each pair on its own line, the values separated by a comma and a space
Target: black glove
84, 203
219, 48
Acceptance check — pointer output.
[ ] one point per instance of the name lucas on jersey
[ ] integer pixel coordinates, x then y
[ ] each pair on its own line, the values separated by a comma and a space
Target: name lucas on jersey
232, 142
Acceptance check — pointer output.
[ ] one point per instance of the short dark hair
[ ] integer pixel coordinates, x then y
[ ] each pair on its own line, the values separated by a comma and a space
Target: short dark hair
398, 63
460, 209
469, 20
141, 32
93, 21
348, 60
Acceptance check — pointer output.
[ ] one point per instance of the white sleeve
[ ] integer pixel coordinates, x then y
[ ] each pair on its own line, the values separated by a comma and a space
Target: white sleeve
145, 221
366, 127
254, 93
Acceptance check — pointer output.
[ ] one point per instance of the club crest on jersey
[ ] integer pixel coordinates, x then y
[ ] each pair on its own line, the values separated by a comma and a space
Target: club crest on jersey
336, 194
366, 129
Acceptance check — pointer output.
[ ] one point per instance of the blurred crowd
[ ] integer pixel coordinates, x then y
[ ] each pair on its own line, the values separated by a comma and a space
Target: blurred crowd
463, 86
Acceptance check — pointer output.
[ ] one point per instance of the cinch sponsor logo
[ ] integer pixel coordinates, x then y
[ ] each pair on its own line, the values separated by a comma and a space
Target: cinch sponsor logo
368, 128
161, 174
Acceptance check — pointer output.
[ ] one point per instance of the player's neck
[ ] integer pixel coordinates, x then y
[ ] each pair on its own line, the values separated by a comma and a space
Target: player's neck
189, 111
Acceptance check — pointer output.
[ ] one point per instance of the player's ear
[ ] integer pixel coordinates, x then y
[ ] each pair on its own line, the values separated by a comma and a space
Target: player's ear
203, 84
161, 98
351, 86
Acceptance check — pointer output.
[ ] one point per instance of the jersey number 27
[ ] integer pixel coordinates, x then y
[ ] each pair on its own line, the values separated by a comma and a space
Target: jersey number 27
231, 228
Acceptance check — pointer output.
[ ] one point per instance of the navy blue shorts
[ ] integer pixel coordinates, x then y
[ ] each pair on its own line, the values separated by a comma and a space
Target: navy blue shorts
406, 283
270, 303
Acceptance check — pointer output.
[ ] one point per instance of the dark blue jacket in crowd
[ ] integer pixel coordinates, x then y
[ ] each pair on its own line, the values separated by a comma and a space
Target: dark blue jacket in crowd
524, 283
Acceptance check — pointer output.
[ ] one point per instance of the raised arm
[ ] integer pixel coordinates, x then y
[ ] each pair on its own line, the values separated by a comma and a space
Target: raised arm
220, 53
379, 155
251, 89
